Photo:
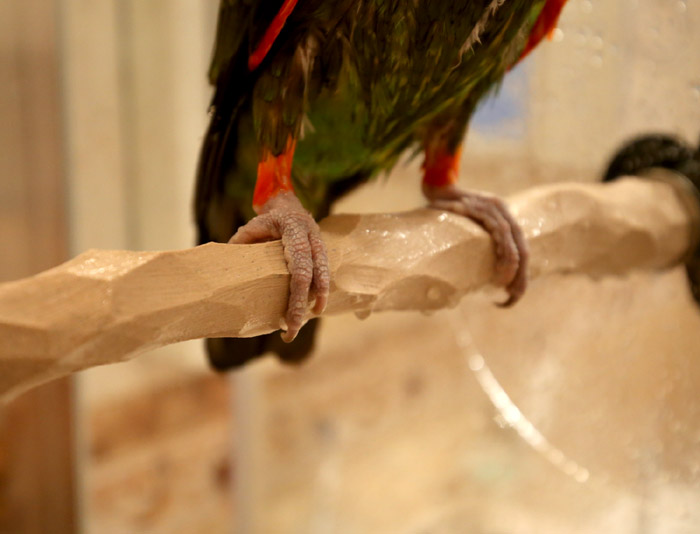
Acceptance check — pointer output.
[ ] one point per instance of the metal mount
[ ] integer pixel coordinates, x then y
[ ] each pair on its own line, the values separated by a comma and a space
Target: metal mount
668, 159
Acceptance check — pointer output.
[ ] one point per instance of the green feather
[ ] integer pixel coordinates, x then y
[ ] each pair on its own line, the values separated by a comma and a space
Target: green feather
384, 75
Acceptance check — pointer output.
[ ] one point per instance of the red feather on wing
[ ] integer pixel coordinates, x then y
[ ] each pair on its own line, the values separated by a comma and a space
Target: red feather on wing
545, 25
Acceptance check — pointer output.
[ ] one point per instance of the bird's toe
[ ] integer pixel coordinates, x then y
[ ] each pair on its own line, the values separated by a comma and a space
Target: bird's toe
306, 257
510, 247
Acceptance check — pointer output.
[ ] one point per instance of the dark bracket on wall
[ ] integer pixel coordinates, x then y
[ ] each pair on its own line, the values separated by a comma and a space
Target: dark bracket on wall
669, 159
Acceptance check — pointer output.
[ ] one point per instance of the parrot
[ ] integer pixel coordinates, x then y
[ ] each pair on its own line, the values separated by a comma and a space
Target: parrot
312, 98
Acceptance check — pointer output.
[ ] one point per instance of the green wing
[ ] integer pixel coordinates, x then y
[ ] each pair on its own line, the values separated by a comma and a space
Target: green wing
240, 23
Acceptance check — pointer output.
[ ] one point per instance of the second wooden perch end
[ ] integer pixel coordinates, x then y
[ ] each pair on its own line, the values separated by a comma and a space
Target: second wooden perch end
104, 306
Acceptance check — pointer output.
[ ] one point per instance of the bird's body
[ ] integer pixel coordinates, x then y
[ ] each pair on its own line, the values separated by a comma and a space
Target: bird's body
346, 87
405, 66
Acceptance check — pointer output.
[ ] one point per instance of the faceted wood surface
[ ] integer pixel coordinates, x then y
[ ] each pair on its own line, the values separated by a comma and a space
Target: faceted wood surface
104, 306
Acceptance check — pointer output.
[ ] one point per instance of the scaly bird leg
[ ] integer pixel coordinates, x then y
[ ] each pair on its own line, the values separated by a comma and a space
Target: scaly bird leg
439, 179
281, 216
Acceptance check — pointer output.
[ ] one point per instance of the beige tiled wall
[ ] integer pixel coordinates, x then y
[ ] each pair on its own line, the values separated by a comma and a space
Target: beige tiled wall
155, 434
388, 429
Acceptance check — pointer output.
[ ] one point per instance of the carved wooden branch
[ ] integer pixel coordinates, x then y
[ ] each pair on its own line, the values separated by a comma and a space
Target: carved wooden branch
104, 306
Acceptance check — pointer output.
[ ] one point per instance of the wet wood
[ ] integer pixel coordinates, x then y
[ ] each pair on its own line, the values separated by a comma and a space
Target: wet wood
104, 306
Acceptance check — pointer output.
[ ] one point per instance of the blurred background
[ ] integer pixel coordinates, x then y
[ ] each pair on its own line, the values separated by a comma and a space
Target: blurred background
577, 411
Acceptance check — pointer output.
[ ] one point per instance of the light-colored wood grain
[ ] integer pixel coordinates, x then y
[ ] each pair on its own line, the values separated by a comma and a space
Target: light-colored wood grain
37, 446
105, 305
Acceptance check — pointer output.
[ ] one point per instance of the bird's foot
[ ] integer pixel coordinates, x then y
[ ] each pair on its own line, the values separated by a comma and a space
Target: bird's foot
283, 217
492, 214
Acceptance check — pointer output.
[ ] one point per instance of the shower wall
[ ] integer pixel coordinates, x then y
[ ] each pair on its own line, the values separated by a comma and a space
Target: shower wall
574, 412
154, 434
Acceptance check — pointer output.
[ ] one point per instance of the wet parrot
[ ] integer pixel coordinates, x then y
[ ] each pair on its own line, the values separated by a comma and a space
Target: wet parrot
314, 97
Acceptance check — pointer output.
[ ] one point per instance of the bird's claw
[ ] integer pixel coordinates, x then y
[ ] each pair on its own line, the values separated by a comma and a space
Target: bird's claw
284, 218
492, 214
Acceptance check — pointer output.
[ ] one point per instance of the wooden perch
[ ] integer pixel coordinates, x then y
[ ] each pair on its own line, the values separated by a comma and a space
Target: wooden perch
104, 306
